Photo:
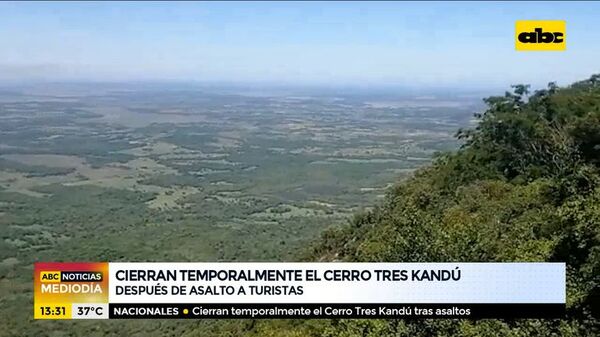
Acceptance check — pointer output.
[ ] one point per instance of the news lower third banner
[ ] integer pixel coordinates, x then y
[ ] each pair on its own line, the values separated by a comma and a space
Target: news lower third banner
108, 290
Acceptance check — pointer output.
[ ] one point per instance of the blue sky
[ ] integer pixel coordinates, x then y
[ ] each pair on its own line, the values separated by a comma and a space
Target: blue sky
466, 44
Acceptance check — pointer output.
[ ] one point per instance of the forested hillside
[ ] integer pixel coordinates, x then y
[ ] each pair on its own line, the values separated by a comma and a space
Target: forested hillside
525, 186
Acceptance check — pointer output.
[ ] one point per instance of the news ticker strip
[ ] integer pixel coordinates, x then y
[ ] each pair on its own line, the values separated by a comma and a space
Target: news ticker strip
304, 311
298, 290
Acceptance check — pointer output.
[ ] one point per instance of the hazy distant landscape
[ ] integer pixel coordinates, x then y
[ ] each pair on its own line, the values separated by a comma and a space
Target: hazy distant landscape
128, 173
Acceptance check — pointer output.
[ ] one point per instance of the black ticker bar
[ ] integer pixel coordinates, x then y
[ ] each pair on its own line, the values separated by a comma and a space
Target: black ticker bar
350, 310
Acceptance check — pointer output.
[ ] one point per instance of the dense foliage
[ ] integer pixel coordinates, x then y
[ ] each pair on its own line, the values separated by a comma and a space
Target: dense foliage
525, 186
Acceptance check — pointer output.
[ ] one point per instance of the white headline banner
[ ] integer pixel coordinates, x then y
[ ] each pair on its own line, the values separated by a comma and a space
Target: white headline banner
337, 282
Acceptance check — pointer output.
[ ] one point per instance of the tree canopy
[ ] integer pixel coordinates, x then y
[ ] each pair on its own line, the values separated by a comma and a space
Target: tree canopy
524, 186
